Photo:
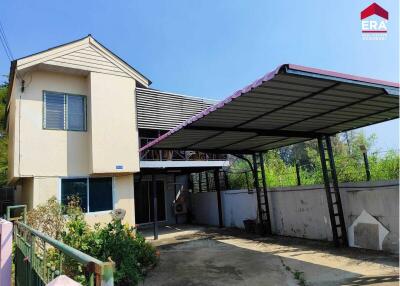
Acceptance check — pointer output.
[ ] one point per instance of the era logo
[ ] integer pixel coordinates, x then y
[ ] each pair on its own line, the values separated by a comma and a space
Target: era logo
374, 19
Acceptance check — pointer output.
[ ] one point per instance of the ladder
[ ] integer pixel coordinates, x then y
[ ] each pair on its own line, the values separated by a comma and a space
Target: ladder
338, 225
262, 198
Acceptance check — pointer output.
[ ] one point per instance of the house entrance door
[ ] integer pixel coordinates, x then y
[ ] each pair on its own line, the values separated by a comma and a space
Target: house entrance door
144, 211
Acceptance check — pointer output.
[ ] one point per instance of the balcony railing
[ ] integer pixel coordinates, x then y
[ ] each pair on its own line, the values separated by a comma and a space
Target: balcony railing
177, 155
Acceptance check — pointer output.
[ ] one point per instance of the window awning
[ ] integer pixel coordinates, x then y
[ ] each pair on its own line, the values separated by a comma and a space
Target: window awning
288, 105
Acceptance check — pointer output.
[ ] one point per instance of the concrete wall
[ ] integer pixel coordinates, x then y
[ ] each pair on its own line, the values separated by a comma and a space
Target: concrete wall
205, 208
238, 206
302, 211
380, 200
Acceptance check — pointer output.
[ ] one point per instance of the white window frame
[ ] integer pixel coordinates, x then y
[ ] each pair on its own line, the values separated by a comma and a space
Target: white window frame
88, 212
65, 128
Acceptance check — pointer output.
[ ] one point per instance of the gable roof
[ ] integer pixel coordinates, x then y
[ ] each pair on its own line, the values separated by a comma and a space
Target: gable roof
374, 9
85, 54
94, 57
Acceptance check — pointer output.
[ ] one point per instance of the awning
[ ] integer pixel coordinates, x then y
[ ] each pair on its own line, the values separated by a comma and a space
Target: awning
288, 105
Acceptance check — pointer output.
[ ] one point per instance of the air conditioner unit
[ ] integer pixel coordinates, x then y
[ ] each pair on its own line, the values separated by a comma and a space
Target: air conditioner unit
180, 208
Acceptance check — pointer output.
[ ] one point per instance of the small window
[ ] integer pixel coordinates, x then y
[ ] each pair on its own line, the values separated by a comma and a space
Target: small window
64, 111
95, 193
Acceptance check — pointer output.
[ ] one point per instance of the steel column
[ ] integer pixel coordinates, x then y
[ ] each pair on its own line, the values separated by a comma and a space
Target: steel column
226, 181
207, 182
298, 174
155, 215
264, 182
200, 179
218, 189
176, 216
366, 163
257, 187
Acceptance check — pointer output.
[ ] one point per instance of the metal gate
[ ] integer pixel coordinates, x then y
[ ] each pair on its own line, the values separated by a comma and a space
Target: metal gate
38, 258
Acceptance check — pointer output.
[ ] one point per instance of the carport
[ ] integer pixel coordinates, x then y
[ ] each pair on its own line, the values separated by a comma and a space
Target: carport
289, 105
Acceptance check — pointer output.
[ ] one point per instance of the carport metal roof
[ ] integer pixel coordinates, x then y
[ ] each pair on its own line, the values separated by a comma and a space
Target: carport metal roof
288, 105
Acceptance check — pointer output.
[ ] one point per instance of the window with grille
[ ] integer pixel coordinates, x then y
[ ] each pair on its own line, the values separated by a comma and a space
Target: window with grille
64, 111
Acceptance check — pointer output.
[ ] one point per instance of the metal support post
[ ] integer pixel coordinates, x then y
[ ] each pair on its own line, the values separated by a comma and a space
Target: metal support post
218, 189
257, 187
366, 163
264, 182
298, 173
155, 215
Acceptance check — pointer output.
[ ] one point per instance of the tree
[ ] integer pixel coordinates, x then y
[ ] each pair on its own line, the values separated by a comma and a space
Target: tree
3, 135
349, 161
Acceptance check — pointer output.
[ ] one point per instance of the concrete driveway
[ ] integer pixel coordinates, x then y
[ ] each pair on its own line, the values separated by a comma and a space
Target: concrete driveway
196, 256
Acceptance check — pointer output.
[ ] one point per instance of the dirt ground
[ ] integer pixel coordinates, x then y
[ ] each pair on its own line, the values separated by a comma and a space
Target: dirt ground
197, 256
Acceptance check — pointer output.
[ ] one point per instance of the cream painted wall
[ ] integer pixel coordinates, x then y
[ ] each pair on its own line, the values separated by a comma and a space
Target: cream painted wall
49, 152
38, 190
39, 157
44, 188
113, 129
26, 192
13, 134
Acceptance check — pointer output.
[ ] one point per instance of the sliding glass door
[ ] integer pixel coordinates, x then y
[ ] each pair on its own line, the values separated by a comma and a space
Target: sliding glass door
144, 211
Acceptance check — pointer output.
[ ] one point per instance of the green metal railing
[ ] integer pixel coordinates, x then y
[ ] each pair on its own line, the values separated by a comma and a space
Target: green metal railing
39, 258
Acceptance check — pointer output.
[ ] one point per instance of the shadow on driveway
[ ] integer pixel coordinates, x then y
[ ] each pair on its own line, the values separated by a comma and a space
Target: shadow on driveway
196, 256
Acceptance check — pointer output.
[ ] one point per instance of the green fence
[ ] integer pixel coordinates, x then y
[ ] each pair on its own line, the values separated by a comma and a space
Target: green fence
39, 258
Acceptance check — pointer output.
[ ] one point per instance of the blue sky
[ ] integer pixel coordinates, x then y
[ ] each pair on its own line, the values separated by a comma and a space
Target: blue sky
212, 48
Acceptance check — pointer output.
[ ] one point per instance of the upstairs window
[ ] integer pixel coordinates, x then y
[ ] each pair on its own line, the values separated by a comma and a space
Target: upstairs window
64, 111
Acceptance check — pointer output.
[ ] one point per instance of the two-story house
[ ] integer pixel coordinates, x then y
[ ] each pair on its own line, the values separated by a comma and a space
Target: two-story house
77, 115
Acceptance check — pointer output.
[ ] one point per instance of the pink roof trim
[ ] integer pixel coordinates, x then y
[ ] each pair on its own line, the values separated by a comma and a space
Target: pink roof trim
343, 75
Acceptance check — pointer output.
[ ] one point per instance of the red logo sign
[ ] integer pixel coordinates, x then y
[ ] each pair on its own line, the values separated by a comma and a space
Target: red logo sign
374, 9
374, 21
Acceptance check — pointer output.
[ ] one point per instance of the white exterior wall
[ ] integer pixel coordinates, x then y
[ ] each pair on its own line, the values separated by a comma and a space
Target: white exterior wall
302, 211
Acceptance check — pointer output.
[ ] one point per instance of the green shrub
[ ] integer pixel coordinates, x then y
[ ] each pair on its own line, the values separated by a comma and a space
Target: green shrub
132, 255
48, 218
114, 242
